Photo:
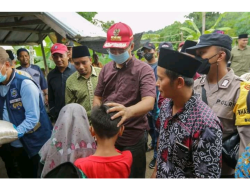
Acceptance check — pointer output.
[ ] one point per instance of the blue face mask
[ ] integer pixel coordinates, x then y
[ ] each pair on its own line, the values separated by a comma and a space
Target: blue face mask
119, 59
2, 78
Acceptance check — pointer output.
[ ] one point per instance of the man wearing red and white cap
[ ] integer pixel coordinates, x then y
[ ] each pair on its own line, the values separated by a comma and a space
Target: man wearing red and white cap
130, 84
57, 79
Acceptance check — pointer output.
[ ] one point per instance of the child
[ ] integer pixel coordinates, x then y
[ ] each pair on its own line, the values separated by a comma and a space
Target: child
107, 162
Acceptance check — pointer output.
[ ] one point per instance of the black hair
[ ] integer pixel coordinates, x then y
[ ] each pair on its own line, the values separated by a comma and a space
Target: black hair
102, 123
10, 61
228, 53
173, 76
20, 50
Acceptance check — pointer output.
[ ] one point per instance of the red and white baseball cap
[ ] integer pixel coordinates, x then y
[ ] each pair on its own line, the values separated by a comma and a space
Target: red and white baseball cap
119, 35
58, 48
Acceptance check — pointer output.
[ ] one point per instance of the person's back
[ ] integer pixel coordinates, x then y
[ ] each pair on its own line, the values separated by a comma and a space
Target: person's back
70, 139
107, 162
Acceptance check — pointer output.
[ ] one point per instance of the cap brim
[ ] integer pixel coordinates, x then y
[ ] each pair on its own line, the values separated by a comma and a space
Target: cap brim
59, 51
192, 50
147, 47
116, 44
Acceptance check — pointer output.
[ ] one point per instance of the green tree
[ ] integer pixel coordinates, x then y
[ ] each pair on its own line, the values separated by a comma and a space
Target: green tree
106, 25
196, 17
89, 16
195, 33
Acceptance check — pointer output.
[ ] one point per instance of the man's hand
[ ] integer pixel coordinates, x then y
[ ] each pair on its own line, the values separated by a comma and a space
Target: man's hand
153, 174
46, 100
124, 112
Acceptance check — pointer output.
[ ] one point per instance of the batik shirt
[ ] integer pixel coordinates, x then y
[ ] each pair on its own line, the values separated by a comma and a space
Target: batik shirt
190, 142
242, 169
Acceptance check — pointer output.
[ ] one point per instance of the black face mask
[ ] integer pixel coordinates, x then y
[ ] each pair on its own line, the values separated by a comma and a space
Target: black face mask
148, 56
205, 65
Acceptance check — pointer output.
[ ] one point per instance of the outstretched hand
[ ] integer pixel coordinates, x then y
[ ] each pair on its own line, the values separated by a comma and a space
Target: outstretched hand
123, 112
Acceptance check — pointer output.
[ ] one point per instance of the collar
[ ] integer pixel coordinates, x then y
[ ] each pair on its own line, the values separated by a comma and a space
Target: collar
93, 73
223, 83
126, 64
242, 49
69, 66
26, 67
183, 114
154, 64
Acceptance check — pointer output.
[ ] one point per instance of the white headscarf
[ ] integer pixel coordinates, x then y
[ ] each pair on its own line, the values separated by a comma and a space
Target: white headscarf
70, 139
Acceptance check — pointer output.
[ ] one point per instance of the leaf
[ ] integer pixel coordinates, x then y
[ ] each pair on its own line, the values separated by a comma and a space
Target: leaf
224, 28
191, 23
209, 31
190, 31
218, 20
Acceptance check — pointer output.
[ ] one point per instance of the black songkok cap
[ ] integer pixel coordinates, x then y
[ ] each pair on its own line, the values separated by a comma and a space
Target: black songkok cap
243, 36
80, 51
177, 62
188, 44
10, 53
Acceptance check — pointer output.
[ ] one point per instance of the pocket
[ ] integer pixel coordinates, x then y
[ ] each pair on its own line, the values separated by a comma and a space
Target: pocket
181, 155
237, 58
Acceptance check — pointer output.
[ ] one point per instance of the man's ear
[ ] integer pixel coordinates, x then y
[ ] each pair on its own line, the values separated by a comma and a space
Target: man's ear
121, 130
90, 58
132, 46
180, 82
92, 131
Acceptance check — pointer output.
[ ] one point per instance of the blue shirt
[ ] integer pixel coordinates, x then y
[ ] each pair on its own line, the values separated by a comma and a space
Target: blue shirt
36, 74
155, 112
30, 99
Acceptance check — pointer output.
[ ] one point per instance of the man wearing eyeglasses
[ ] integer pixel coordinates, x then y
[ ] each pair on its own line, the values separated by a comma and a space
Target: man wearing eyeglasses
57, 79
130, 85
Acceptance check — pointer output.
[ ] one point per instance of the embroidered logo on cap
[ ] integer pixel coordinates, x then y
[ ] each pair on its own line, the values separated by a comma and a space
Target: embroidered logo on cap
55, 47
116, 37
165, 45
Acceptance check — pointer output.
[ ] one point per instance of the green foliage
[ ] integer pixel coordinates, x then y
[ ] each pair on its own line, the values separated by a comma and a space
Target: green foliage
106, 25
89, 16
38, 57
194, 33
196, 17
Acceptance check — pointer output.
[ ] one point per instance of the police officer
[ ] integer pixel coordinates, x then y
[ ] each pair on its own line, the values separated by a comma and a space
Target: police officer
222, 88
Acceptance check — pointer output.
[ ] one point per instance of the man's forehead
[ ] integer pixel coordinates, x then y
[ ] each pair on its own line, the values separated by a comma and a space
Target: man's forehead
23, 52
81, 58
59, 54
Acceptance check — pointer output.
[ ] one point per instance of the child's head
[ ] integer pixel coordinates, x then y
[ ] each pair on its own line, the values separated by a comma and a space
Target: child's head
102, 123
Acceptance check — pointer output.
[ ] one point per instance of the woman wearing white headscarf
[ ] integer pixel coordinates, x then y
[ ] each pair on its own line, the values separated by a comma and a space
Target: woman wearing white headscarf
70, 139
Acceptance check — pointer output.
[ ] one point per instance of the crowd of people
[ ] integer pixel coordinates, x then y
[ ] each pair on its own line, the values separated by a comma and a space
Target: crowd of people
194, 103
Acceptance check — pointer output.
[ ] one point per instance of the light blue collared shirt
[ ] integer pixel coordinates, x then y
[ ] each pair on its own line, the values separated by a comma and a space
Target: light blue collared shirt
30, 100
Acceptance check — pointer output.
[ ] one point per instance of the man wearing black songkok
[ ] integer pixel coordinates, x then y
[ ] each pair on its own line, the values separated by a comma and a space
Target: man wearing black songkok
240, 59
190, 134
80, 86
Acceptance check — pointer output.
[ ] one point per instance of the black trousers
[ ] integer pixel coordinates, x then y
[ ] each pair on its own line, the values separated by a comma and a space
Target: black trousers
28, 167
138, 151
10, 162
